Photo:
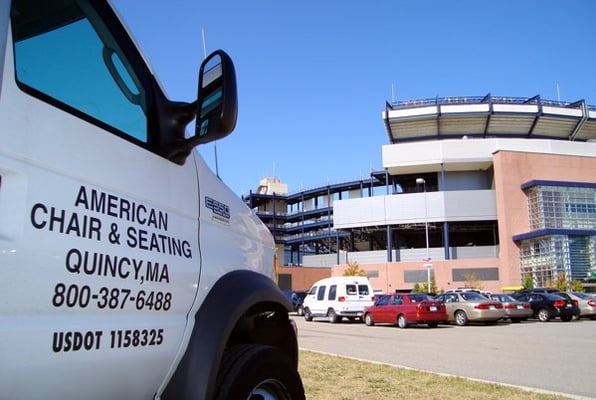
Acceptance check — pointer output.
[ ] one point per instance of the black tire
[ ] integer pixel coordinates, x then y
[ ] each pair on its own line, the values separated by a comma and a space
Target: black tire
254, 371
461, 318
368, 320
332, 317
402, 321
543, 315
307, 315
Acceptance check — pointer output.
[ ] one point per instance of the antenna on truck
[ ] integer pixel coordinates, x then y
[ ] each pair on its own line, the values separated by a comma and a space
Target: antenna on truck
204, 44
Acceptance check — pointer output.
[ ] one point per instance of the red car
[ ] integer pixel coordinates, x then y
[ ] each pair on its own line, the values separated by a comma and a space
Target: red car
405, 309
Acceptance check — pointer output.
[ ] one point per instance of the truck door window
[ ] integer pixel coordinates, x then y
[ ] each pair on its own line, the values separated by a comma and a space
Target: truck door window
69, 56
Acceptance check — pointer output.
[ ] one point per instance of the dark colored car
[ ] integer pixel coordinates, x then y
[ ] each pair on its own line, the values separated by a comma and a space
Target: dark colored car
297, 298
405, 309
549, 305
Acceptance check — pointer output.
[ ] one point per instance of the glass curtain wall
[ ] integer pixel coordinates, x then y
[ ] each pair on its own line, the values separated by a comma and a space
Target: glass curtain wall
566, 214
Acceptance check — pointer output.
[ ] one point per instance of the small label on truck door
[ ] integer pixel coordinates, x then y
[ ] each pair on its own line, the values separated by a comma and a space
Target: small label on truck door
221, 211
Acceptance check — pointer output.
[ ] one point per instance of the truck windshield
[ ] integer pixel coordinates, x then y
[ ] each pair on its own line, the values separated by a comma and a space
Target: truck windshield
65, 54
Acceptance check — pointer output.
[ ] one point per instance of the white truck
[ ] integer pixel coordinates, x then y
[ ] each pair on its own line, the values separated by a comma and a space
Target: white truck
128, 270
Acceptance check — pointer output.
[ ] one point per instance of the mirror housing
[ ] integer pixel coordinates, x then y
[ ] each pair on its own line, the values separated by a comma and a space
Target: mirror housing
217, 104
216, 108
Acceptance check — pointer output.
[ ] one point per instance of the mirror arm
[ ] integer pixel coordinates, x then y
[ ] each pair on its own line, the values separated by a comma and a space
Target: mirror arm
179, 115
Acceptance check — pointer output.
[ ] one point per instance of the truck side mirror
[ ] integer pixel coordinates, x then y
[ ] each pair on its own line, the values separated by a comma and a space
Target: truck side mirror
216, 109
217, 104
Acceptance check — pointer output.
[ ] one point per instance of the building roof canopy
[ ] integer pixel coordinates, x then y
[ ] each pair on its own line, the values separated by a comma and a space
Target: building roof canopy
489, 116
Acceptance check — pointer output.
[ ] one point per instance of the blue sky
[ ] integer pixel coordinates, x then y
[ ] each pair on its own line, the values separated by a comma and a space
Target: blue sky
313, 76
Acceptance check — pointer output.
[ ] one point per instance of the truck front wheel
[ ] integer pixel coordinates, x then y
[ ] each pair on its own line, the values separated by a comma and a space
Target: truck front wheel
254, 371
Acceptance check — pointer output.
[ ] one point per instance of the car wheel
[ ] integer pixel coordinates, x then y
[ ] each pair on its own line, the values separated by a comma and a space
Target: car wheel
332, 316
368, 320
461, 318
543, 315
300, 311
566, 318
307, 314
433, 324
402, 322
254, 371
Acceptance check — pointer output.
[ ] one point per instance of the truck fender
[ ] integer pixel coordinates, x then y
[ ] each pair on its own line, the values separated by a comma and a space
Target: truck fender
242, 307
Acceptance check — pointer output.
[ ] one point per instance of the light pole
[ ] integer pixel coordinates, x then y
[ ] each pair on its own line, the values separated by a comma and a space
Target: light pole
427, 264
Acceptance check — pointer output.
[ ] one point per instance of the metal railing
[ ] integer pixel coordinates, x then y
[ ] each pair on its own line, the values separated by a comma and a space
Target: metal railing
396, 105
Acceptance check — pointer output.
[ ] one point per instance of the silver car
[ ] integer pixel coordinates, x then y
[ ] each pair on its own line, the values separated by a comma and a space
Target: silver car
586, 303
515, 310
471, 306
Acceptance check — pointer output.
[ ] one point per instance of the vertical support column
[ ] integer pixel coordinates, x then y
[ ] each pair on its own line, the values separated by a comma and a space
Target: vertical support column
337, 242
446, 240
389, 244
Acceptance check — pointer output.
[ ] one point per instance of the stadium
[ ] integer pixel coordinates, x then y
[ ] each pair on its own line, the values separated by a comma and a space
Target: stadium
494, 190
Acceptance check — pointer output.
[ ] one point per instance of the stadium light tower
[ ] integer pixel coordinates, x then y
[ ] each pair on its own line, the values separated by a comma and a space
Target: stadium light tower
427, 263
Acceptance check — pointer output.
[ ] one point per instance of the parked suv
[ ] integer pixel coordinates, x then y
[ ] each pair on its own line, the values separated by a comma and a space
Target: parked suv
549, 305
296, 297
337, 297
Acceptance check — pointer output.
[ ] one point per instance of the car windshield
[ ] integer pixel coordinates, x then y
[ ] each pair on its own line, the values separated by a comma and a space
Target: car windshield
416, 298
584, 296
301, 295
382, 300
553, 296
505, 298
472, 296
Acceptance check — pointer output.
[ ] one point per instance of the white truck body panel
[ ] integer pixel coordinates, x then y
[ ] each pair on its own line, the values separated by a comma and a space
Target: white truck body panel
52, 187
106, 251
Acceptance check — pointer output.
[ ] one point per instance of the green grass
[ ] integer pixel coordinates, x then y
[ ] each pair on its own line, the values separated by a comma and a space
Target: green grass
328, 377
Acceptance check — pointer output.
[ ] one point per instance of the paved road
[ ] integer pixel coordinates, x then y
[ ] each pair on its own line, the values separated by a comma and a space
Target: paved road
554, 356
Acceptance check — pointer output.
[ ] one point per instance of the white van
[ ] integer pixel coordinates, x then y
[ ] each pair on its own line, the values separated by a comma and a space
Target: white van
337, 297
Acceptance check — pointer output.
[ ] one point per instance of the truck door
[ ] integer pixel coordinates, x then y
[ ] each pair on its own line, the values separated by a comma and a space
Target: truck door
98, 232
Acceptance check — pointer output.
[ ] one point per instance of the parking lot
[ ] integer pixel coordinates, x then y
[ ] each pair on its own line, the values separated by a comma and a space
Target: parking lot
554, 356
